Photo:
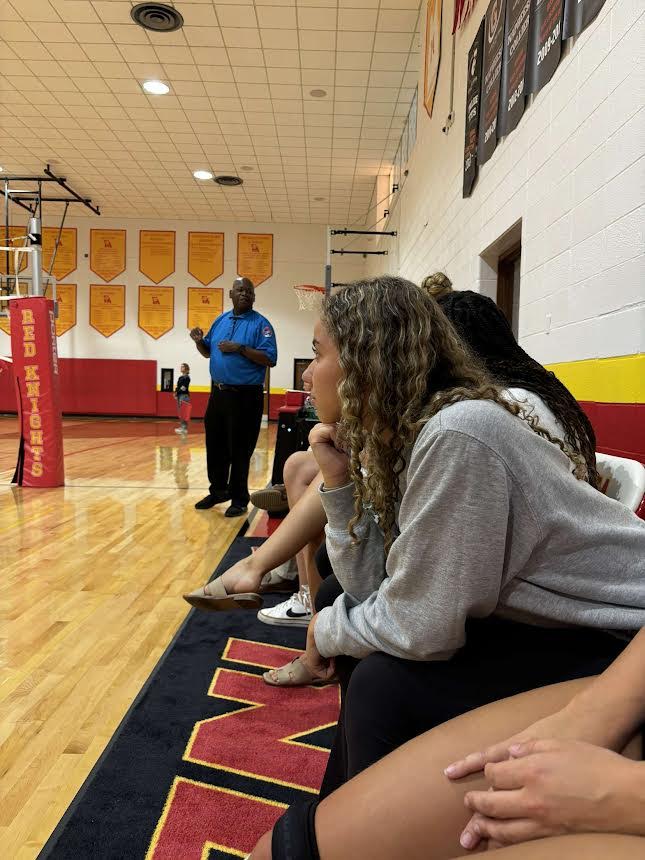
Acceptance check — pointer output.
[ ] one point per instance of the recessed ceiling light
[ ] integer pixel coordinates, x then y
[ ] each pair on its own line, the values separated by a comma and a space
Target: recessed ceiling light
1, 169
156, 88
318, 94
202, 174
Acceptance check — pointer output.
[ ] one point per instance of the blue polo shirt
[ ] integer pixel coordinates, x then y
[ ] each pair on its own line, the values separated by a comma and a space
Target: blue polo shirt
251, 329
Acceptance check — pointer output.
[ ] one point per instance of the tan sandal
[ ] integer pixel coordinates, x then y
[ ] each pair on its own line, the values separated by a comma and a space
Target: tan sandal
217, 598
294, 674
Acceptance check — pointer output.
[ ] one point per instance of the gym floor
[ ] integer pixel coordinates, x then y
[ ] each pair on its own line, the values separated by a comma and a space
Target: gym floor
90, 596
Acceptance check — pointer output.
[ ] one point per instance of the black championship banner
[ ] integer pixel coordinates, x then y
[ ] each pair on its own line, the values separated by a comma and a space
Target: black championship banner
545, 42
473, 95
578, 14
492, 66
512, 97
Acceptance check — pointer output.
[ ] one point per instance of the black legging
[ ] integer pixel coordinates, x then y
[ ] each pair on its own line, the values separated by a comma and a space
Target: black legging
386, 701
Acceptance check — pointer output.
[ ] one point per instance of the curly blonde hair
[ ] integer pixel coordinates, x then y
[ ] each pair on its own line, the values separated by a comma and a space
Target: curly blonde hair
402, 361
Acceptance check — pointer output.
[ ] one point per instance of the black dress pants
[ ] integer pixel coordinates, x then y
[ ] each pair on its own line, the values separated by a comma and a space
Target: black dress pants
232, 424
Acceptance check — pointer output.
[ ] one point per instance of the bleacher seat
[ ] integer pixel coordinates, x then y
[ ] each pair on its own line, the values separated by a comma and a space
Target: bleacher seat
623, 480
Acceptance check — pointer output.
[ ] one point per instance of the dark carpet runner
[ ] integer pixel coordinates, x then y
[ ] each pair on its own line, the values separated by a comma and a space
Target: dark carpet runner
208, 756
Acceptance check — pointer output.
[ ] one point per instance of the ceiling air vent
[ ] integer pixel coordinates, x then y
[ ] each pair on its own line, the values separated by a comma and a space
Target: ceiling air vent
157, 16
229, 181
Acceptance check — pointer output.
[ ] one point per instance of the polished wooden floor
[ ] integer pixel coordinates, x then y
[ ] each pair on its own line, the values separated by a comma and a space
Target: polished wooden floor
90, 596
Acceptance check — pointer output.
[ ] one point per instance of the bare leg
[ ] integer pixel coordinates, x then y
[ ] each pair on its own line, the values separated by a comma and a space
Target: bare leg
303, 522
586, 846
404, 806
314, 579
300, 470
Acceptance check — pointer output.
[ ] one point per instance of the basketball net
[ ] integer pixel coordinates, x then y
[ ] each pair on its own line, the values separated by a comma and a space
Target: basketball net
309, 296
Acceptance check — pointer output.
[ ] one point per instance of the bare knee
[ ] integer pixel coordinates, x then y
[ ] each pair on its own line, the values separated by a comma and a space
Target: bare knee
262, 850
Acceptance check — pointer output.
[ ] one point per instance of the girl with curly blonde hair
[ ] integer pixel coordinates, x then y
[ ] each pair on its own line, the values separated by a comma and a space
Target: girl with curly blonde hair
476, 559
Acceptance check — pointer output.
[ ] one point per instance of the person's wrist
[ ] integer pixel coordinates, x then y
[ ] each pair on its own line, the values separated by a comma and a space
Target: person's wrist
595, 723
627, 809
335, 481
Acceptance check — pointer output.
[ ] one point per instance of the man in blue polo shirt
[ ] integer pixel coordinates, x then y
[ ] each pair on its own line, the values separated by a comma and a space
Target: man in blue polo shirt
240, 345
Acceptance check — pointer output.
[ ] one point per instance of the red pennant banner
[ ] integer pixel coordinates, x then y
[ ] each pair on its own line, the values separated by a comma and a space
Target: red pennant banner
35, 364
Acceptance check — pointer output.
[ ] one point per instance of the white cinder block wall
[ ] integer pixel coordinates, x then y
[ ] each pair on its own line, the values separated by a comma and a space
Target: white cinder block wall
574, 173
299, 257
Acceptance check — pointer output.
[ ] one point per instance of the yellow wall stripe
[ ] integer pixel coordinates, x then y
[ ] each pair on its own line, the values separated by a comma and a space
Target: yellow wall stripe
604, 380
206, 389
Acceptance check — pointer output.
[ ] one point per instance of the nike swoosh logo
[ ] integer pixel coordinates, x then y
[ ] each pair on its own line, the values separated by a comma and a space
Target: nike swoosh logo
292, 614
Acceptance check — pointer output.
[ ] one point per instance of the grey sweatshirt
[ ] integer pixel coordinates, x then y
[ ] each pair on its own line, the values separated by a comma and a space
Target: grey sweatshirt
491, 520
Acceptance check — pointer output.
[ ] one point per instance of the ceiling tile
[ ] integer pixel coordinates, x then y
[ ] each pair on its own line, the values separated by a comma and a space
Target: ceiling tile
238, 37
204, 37
273, 17
316, 59
316, 18
282, 59
236, 16
317, 40
355, 41
350, 60
397, 21
77, 11
284, 76
280, 39
357, 19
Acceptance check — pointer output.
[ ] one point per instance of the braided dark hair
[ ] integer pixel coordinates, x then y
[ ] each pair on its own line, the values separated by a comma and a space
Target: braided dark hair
485, 329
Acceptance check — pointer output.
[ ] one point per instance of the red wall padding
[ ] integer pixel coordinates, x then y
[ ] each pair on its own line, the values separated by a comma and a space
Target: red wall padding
619, 427
96, 386
99, 386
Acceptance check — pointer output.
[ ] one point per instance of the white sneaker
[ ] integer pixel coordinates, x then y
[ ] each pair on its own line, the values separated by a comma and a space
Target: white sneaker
181, 431
294, 612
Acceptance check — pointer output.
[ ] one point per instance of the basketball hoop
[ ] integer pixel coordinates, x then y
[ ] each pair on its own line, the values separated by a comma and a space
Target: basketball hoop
309, 296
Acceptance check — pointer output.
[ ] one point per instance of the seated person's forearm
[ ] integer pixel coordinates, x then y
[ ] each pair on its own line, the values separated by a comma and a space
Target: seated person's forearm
613, 704
303, 523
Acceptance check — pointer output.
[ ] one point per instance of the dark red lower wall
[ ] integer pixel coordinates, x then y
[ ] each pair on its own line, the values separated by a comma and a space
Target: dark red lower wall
619, 427
97, 386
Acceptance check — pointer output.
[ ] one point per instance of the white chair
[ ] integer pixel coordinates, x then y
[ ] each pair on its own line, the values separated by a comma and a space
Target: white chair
623, 480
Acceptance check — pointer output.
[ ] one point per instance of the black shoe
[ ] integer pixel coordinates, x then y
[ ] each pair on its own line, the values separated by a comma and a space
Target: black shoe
211, 500
235, 511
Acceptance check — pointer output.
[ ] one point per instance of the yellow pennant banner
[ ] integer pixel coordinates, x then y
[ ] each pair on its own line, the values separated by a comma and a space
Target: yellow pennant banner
157, 254
204, 305
14, 232
255, 256
65, 261
156, 310
107, 308
107, 253
205, 256
66, 300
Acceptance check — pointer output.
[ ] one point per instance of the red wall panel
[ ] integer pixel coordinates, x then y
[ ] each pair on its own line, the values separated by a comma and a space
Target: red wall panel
98, 386
619, 427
